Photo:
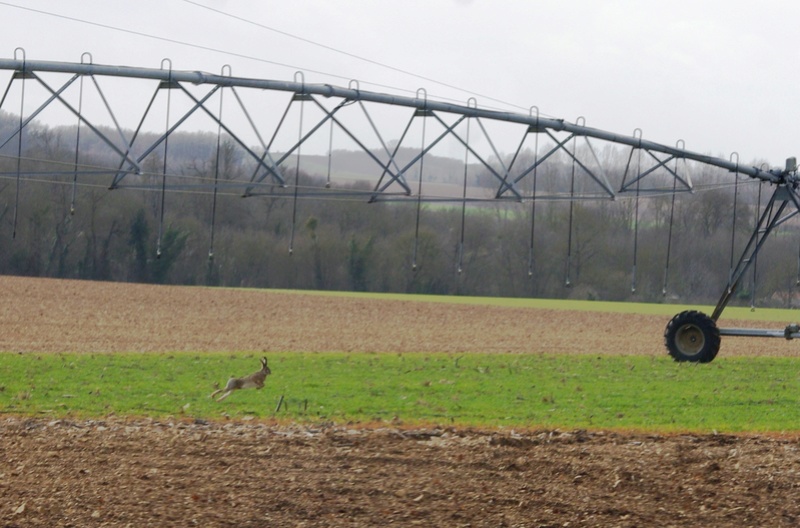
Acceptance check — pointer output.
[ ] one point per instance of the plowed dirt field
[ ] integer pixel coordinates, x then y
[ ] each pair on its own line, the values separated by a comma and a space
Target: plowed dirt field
136, 472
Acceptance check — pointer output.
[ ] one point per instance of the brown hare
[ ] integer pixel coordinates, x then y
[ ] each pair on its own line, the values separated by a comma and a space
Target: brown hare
256, 379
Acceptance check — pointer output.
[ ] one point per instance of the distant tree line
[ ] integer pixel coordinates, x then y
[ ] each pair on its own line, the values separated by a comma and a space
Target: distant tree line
72, 226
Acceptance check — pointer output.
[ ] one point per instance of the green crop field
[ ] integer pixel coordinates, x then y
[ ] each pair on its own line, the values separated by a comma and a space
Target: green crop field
534, 390
515, 391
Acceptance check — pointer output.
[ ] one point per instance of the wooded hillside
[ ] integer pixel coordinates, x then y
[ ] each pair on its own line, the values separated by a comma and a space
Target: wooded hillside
329, 237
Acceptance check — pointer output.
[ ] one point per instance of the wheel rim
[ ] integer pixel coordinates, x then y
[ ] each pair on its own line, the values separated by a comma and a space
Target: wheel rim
690, 340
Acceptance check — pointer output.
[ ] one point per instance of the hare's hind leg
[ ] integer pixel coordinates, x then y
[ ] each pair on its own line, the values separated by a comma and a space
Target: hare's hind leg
232, 385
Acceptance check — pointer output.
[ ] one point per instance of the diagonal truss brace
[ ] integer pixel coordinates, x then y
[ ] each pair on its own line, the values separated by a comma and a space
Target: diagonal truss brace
686, 182
57, 95
560, 145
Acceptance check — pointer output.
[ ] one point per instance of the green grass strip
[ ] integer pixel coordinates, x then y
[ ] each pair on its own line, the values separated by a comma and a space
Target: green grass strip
524, 391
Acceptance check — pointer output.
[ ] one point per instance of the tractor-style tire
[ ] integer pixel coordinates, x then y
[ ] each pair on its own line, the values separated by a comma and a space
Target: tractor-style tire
692, 336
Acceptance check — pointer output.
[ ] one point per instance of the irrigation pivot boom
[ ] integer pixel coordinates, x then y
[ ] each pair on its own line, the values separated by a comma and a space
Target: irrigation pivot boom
694, 336
689, 336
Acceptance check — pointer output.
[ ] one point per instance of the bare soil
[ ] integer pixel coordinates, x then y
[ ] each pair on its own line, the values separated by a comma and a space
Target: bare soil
136, 472
46, 315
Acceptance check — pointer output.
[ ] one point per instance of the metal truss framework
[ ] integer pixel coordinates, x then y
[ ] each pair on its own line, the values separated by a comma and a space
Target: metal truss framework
506, 176
393, 180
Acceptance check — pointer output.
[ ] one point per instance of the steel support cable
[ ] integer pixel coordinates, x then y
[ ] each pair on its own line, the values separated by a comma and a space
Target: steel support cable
636, 214
19, 159
52, 182
151, 188
533, 194
330, 156
209, 185
505, 185
419, 188
86, 169
635, 239
733, 225
671, 223
330, 141
336, 50
297, 174
164, 167
256, 58
77, 148
459, 265
567, 281
216, 180
207, 189
54, 174
624, 183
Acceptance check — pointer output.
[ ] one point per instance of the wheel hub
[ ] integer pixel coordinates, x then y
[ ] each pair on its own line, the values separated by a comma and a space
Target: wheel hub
689, 339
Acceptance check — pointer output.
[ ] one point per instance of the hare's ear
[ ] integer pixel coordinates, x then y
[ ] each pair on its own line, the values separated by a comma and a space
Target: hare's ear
263, 362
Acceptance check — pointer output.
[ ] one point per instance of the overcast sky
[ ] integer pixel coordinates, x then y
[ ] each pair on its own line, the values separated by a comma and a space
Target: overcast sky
720, 75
